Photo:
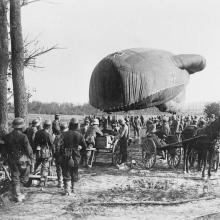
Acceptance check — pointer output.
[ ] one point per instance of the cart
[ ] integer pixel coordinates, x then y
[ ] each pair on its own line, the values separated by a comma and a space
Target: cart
172, 148
106, 144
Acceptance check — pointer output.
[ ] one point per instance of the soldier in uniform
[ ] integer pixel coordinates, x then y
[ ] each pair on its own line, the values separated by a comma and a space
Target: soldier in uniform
123, 140
137, 126
57, 155
175, 125
71, 155
31, 131
85, 126
44, 150
20, 155
56, 125
165, 126
93, 130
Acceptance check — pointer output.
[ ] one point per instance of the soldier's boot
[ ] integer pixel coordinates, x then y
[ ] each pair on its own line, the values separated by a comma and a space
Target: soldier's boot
43, 181
60, 184
19, 197
67, 187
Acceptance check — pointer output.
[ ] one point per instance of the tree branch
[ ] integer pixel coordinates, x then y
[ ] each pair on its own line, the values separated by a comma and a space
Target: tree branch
27, 2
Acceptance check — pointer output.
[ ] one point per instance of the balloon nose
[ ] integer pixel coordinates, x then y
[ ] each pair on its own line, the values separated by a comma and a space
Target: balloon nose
190, 62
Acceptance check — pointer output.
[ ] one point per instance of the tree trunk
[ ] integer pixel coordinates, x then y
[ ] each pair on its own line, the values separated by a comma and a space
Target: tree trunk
17, 58
4, 59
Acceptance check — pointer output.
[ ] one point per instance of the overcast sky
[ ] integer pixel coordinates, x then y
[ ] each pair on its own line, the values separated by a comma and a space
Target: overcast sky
91, 29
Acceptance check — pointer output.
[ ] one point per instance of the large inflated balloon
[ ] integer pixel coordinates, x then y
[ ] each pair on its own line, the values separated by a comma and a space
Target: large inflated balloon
140, 78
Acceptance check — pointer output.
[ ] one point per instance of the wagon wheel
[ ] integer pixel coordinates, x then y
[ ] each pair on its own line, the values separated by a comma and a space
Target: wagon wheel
173, 157
149, 153
116, 155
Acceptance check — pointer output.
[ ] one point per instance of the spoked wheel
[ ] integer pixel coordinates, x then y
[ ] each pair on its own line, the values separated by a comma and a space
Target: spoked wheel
116, 155
174, 157
149, 153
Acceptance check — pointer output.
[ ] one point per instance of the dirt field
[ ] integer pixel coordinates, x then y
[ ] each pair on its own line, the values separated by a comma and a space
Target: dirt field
106, 192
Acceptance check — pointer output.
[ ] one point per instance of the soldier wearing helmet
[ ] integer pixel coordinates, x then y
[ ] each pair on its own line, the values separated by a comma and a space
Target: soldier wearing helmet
44, 148
92, 131
57, 154
71, 140
20, 155
31, 131
85, 126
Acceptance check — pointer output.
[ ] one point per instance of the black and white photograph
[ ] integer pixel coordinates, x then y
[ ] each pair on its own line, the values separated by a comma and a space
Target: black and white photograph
109, 110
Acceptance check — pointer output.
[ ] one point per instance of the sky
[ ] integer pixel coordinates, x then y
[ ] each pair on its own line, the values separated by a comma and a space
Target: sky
88, 30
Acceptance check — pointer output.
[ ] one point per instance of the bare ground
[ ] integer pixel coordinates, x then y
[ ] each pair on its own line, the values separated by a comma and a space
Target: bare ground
105, 192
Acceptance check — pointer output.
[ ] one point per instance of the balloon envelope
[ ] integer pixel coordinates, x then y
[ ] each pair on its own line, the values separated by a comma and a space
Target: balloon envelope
140, 78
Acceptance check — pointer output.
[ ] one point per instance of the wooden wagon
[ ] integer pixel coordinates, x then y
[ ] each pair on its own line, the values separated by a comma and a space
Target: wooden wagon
106, 144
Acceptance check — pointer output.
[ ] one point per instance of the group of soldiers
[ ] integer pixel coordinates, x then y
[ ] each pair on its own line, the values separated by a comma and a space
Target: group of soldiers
67, 143
25, 149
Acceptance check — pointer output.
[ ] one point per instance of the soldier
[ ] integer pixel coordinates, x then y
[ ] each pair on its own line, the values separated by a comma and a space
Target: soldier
20, 155
137, 126
142, 120
44, 150
85, 126
165, 126
71, 155
57, 155
31, 131
56, 125
93, 131
90, 137
201, 123
175, 125
123, 140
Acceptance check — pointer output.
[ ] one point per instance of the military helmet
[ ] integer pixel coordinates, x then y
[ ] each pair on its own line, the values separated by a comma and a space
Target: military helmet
74, 121
165, 118
47, 122
35, 122
121, 121
63, 125
18, 123
96, 121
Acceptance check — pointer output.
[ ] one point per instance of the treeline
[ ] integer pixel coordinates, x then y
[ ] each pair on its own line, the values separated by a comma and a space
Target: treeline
37, 107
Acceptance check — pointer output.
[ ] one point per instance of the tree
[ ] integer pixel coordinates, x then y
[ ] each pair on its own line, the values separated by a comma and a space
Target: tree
212, 108
17, 59
4, 59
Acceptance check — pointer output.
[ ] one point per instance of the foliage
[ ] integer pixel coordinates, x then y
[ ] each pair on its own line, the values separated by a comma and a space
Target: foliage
37, 107
212, 108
